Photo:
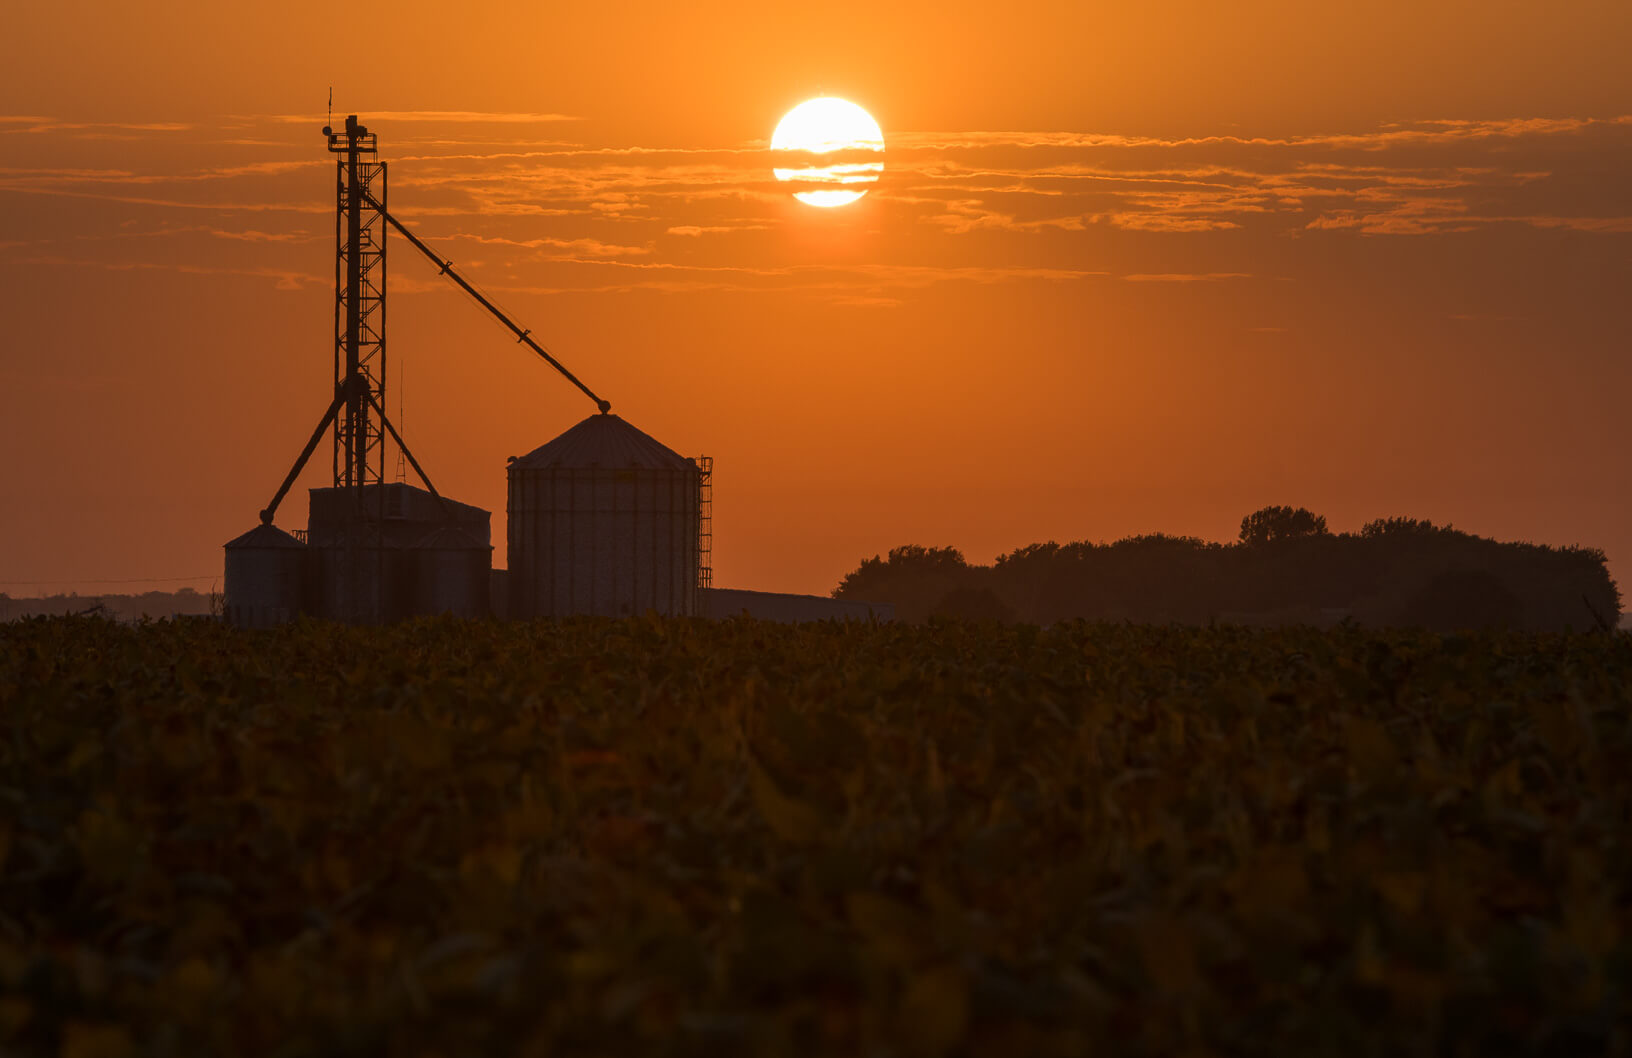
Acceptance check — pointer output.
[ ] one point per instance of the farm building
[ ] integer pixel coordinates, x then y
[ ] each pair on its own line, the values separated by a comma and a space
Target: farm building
602, 520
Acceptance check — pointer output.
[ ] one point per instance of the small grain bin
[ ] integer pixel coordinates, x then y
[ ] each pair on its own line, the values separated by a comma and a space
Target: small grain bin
603, 520
265, 575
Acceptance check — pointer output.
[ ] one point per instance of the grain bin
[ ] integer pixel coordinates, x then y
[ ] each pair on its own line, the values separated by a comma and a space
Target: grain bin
265, 576
365, 547
448, 573
603, 520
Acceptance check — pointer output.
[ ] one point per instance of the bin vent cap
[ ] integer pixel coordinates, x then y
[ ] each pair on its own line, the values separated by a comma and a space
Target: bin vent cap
265, 537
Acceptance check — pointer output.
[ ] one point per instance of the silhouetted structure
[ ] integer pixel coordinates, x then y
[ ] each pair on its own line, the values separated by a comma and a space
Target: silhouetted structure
606, 520
384, 552
374, 551
266, 578
359, 306
379, 553
602, 520
1287, 568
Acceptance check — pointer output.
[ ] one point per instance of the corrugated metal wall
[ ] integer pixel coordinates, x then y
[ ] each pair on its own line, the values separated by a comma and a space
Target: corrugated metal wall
263, 586
614, 542
449, 580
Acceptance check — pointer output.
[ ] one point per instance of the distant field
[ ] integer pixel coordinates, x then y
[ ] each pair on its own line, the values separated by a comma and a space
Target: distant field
596, 837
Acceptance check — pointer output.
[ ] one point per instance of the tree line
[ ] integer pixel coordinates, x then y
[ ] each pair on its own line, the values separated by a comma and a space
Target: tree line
1286, 566
154, 604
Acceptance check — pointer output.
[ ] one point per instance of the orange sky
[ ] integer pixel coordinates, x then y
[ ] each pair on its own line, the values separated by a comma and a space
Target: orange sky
1130, 268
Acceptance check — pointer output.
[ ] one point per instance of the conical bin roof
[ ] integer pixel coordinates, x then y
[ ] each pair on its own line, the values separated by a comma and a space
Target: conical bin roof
265, 537
604, 441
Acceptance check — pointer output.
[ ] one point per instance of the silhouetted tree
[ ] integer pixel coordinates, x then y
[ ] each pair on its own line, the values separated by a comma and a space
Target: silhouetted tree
1394, 571
1463, 598
913, 578
1269, 524
974, 604
1399, 527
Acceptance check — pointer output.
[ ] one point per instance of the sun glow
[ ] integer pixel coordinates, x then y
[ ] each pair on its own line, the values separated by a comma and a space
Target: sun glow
823, 126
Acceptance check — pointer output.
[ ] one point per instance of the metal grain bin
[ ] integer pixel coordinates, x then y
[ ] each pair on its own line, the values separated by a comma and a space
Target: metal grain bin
265, 575
449, 573
364, 546
603, 520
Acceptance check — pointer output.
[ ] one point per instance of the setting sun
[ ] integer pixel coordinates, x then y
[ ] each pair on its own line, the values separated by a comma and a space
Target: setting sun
822, 126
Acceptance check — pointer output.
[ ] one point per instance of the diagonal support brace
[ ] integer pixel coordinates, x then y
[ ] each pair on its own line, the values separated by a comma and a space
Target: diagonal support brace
403, 445
341, 396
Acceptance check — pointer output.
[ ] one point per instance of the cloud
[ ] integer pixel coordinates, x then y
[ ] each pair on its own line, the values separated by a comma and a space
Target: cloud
1583, 224
693, 230
962, 216
170, 232
1449, 130
967, 214
1184, 277
866, 301
980, 207
1286, 182
285, 279
232, 206
592, 247
975, 197
56, 177
616, 202
1404, 178
1155, 221
265, 236
448, 116
39, 126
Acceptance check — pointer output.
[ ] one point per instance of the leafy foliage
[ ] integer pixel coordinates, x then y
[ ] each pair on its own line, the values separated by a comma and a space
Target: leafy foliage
916, 579
669, 836
1287, 568
1269, 524
1400, 527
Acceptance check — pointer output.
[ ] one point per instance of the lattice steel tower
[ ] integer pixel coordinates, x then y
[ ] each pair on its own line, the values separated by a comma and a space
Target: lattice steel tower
357, 409
359, 307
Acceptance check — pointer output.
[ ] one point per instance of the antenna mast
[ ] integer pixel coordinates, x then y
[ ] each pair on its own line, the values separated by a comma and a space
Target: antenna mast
359, 306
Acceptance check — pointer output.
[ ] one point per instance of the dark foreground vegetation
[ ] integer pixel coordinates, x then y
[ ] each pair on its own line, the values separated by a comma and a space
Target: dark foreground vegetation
1286, 567
597, 837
